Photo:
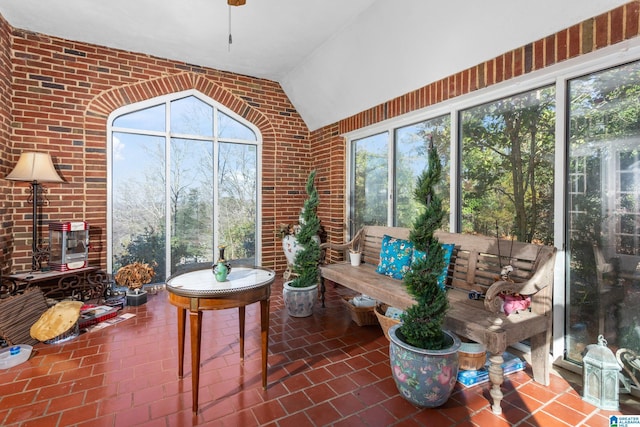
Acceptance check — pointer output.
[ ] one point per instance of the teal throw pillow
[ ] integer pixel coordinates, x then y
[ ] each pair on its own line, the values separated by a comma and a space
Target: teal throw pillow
448, 250
395, 257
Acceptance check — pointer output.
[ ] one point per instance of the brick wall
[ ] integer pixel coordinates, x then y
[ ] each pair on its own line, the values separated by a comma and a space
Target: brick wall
329, 160
607, 29
7, 159
62, 94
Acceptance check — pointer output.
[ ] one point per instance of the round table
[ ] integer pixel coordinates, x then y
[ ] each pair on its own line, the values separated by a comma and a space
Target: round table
198, 290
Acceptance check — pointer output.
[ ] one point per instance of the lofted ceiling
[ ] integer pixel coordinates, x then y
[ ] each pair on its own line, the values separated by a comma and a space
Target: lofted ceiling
333, 58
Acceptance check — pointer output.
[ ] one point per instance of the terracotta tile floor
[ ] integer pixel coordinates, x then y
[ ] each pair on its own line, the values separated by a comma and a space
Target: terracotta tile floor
323, 370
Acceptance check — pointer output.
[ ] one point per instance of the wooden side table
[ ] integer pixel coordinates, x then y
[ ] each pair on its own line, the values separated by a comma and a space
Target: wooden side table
198, 290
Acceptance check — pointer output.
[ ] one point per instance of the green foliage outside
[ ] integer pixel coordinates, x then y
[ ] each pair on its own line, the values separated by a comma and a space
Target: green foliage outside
604, 200
371, 172
411, 157
147, 248
306, 262
370, 182
423, 321
507, 167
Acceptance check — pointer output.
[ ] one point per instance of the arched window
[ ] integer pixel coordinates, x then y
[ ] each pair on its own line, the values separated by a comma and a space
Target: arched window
183, 179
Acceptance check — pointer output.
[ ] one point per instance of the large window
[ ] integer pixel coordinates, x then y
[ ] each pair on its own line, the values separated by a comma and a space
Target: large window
411, 158
549, 158
603, 234
183, 181
385, 168
507, 167
370, 181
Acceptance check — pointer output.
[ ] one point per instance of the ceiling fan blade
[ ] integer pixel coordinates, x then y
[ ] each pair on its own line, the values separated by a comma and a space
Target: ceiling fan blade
236, 2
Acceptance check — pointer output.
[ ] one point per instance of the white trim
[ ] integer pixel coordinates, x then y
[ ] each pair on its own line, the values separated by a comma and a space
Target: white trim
559, 221
167, 188
454, 161
391, 172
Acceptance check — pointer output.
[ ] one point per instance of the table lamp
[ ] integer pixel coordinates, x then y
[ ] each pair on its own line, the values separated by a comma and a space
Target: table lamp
35, 168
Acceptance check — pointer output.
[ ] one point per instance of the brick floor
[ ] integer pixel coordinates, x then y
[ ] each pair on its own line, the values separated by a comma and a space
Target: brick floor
323, 370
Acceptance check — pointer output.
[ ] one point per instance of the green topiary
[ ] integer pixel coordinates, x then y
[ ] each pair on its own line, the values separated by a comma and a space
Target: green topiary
422, 322
307, 259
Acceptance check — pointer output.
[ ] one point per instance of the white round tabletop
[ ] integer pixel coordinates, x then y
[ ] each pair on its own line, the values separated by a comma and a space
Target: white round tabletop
202, 283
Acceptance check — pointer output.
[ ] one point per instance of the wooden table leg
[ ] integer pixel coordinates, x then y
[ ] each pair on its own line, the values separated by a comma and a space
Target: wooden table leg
195, 320
264, 333
241, 318
182, 316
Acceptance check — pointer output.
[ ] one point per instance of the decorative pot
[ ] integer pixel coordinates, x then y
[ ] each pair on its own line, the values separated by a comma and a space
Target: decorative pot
291, 247
299, 301
424, 377
137, 297
221, 268
355, 258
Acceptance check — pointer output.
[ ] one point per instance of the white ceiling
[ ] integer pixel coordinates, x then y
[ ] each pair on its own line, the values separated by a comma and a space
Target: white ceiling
333, 58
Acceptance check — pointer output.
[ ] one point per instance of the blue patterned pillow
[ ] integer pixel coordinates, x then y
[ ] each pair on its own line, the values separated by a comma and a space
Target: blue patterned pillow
395, 257
448, 250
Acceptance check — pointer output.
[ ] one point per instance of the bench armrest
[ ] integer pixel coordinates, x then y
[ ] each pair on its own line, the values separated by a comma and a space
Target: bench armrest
356, 243
336, 246
542, 279
492, 300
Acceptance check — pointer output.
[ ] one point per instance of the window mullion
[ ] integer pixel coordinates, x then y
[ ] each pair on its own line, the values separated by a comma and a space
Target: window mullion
214, 187
391, 188
167, 189
454, 172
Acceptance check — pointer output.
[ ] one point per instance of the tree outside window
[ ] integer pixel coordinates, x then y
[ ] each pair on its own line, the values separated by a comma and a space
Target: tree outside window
507, 167
208, 196
384, 172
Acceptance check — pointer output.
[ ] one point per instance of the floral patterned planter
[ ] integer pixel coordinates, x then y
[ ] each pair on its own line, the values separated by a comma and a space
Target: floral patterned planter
299, 301
291, 247
424, 377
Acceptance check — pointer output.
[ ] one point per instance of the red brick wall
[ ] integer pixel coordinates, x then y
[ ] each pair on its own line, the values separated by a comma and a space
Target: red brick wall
62, 95
63, 92
604, 30
607, 29
329, 160
7, 159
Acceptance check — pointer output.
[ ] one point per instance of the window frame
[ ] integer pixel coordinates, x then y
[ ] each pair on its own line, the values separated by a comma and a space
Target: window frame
558, 74
168, 136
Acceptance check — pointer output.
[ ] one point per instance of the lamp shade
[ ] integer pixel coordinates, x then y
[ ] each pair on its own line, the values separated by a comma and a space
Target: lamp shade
34, 167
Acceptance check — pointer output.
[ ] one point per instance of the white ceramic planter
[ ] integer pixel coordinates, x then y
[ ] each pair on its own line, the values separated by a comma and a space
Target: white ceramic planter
356, 258
291, 247
299, 301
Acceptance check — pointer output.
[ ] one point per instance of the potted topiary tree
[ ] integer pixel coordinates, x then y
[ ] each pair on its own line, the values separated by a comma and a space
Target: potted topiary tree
423, 356
300, 293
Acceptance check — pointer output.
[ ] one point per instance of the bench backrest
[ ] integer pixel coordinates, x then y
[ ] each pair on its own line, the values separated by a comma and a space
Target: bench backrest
477, 261
371, 241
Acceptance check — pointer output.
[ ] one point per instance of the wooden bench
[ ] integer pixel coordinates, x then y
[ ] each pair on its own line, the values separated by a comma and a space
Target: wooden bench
474, 266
